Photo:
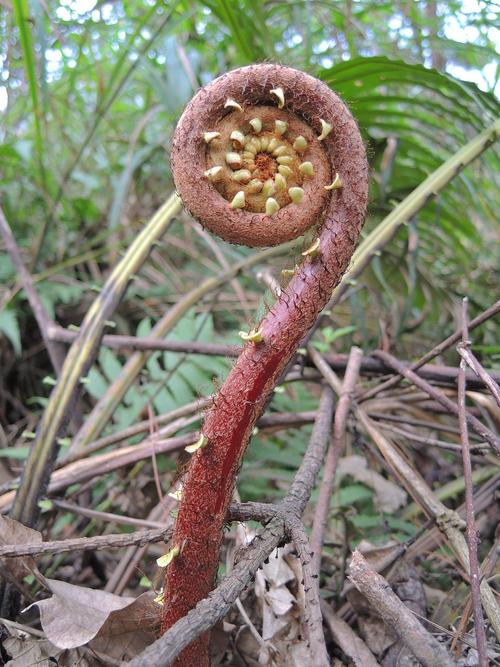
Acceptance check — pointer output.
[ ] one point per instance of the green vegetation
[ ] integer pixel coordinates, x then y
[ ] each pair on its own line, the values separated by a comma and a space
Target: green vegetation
90, 93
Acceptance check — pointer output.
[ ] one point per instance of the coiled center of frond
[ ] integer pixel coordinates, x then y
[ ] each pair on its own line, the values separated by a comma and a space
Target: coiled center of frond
253, 156
259, 160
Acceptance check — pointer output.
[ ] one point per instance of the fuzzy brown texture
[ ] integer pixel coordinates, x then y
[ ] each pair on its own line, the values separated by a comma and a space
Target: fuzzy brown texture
243, 396
306, 101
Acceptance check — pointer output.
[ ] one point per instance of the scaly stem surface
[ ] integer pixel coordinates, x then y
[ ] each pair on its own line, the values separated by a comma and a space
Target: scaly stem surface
228, 425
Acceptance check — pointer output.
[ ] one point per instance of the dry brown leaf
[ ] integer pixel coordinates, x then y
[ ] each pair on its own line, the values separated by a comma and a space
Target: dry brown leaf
276, 570
13, 532
388, 496
128, 631
117, 626
281, 611
272, 625
27, 651
280, 600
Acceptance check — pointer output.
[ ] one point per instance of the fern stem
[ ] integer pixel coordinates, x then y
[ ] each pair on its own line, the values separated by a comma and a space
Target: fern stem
241, 400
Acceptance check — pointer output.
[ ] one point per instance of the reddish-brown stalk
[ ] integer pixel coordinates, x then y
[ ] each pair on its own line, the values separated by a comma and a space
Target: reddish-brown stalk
331, 144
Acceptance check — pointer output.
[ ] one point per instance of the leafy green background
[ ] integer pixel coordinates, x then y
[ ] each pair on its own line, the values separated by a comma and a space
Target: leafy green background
92, 91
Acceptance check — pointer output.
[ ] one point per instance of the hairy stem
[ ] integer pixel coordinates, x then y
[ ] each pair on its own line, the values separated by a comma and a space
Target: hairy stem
242, 398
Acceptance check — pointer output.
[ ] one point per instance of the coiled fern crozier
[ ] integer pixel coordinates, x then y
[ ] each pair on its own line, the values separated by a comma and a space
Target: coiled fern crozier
260, 155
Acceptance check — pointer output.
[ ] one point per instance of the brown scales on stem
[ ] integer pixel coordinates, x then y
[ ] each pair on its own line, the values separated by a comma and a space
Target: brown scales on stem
317, 132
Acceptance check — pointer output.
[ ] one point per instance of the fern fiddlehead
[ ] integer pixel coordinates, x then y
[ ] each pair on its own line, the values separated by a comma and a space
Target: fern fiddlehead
259, 156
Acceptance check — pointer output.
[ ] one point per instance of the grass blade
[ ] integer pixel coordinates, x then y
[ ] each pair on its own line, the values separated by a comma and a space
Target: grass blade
21, 16
77, 363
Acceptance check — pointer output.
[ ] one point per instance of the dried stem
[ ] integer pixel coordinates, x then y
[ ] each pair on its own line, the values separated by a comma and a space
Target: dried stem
333, 455
471, 531
107, 517
396, 614
437, 350
432, 442
438, 396
119, 342
471, 360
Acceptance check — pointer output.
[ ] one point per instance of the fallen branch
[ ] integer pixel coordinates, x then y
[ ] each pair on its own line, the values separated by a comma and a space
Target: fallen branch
471, 531
440, 398
437, 350
464, 351
396, 614
333, 455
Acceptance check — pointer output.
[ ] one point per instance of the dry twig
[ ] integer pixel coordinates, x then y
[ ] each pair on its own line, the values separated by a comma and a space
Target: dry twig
437, 350
471, 532
139, 538
312, 617
333, 455
464, 351
396, 614
438, 396
447, 520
